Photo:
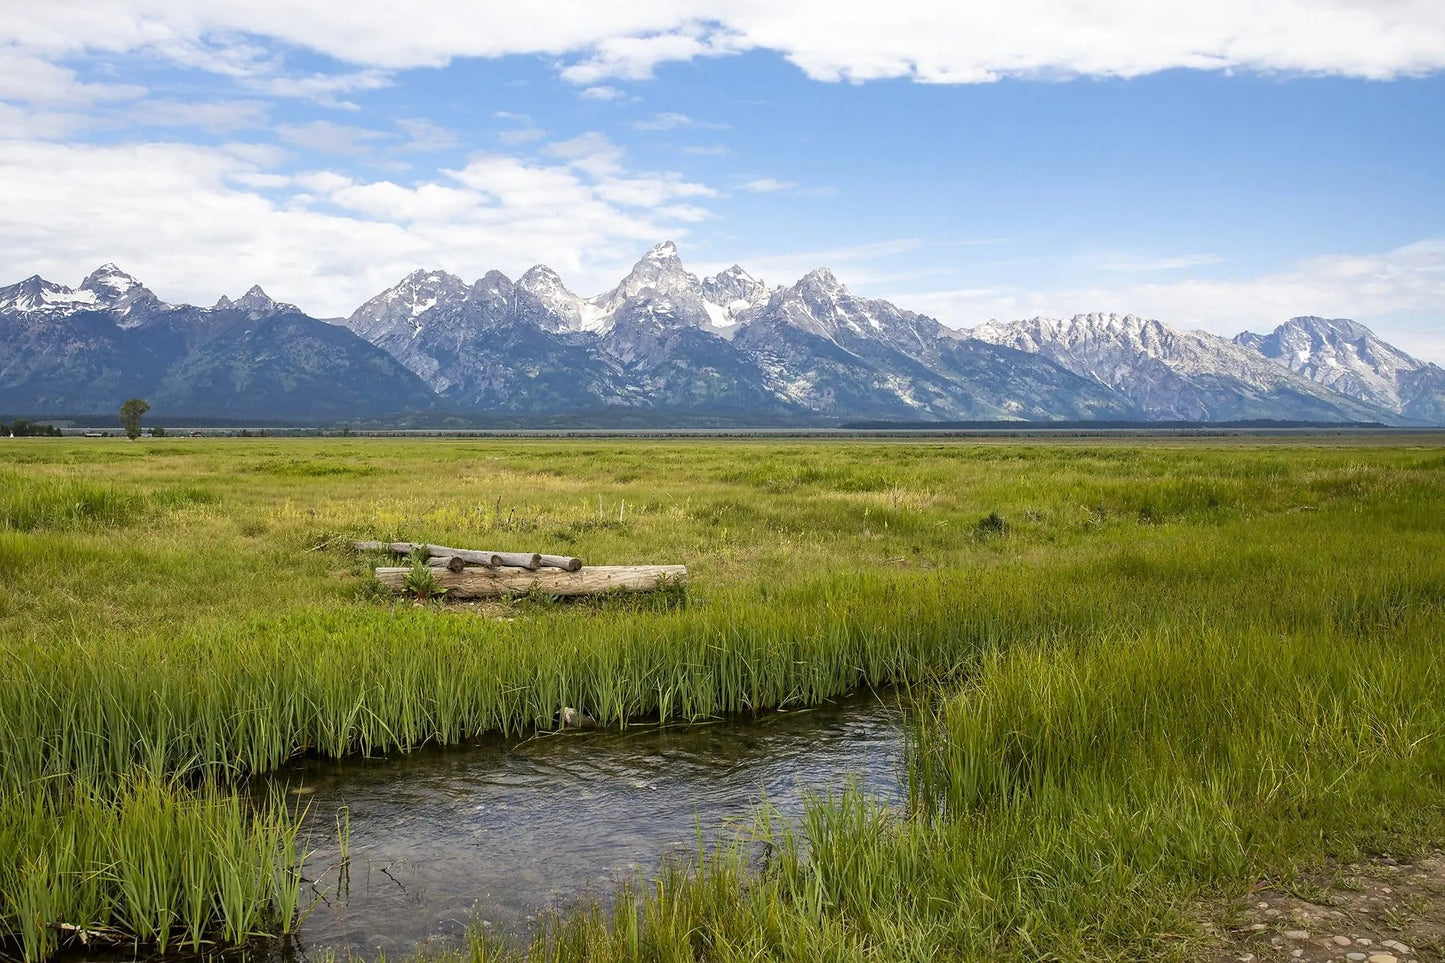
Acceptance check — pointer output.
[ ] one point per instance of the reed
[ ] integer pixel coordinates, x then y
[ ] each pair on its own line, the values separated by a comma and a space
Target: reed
1261, 613
145, 861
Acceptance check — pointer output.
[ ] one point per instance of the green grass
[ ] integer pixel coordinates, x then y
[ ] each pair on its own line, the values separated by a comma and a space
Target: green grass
1157, 669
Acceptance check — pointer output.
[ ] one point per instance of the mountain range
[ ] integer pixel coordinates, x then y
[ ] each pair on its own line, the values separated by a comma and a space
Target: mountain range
668, 343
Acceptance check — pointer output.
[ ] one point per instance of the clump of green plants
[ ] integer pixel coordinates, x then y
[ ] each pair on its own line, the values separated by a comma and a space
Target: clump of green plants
145, 861
991, 525
421, 580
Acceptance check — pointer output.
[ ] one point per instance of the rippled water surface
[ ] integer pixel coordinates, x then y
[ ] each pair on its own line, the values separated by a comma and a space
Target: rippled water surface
499, 831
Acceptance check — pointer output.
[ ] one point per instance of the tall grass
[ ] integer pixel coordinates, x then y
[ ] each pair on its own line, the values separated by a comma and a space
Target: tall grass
1074, 800
145, 861
1163, 651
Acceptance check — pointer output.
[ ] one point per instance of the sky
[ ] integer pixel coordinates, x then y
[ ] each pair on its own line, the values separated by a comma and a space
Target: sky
1220, 166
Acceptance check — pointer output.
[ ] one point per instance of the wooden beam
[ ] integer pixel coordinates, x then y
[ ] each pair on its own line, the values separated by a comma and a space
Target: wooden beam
476, 583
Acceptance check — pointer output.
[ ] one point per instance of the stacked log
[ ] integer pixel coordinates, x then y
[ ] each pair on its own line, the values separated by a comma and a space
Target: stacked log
475, 582
528, 560
468, 573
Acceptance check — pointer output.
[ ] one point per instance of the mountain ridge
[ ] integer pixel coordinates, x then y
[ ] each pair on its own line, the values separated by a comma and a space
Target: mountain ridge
665, 340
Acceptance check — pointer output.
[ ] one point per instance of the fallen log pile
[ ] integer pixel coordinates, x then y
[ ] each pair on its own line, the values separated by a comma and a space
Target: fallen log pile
469, 574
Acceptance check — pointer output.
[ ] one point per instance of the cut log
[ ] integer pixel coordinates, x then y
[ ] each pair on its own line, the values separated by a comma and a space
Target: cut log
527, 560
449, 562
489, 559
477, 583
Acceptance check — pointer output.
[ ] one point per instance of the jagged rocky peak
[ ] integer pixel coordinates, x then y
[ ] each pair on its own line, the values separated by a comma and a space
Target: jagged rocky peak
114, 289
422, 290
255, 299
495, 284
109, 282
1343, 355
105, 288
223, 303
544, 282
401, 305
734, 289
821, 281
35, 294
659, 270
545, 301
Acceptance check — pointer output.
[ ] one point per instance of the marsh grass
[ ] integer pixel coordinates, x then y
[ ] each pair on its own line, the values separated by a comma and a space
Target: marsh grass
142, 860
1161, 653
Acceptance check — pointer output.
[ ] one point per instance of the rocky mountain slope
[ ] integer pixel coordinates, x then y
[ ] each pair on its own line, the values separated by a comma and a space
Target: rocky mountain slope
1347, 357
90, 348
1171, 374
667, 340
667, 343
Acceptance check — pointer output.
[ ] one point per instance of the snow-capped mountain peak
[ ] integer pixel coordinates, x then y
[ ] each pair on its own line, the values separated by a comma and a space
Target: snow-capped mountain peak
551, 304
660, 270
35, 295
406, 301
109, 282
1347, 357
106, 288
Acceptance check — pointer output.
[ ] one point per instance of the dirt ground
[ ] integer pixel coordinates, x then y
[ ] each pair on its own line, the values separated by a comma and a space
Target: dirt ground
1380, 911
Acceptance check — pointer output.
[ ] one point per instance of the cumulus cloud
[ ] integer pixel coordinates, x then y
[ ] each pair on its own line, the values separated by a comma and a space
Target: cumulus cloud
853, 41
1396, 292
196, 221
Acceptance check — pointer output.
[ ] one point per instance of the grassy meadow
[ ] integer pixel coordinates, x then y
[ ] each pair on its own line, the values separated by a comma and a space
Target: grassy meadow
1153, 672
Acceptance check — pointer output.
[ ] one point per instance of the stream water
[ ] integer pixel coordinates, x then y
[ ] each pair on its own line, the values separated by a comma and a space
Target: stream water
499, 831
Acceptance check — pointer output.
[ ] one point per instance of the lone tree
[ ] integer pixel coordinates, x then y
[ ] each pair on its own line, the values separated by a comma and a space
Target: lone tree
130, 415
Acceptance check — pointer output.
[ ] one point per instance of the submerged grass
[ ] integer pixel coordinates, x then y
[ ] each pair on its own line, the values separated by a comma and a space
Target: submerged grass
1176, 665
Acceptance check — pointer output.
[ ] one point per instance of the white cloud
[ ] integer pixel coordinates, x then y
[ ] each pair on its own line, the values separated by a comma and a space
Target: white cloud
326, 89
635, 57
327, 137
28, 78
670, 120
834, 40
426, 136
194, 222
592, 152
768, 185
521, 135
1399, 293
602, 92
219, 116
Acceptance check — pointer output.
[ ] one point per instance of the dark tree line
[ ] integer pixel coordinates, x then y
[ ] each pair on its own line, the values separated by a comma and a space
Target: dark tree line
20, 428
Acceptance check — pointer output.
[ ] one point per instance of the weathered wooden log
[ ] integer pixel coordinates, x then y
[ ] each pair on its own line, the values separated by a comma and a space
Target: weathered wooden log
476, 583
449, 562
527, 560
467, 555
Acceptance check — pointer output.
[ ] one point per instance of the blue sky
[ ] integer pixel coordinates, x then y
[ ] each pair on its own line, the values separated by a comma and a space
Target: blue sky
1219, 169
